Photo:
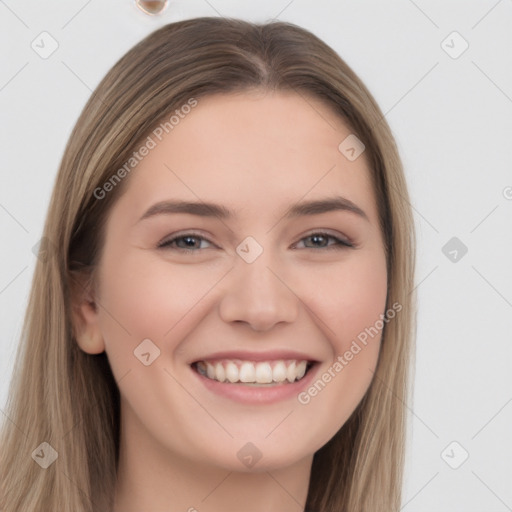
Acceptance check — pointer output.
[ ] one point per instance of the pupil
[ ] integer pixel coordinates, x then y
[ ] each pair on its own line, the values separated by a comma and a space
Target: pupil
317, 238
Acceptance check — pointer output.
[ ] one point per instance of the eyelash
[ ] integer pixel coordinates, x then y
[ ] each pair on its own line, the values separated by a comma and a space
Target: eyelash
339, 245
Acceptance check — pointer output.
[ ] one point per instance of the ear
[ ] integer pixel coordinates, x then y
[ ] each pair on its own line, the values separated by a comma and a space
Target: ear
85, 316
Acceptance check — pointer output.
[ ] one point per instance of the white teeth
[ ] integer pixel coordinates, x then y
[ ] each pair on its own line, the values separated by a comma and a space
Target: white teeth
265, 372
279, 372
232, 372
301, 369
210, 371
247, 373
291, 372
220, 374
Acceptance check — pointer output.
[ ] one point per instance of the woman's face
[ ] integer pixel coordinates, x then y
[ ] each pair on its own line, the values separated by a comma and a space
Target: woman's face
285, 271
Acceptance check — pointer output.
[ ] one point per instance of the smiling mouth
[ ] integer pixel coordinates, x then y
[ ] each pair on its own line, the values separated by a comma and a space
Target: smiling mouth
252, 373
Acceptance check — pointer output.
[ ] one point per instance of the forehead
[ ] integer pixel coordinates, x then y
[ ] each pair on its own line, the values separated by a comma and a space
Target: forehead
254, 152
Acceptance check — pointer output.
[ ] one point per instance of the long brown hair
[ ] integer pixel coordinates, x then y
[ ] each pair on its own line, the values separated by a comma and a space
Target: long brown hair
68, 398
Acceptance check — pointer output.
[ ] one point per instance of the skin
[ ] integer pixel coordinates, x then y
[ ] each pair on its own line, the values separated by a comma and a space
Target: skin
257, 153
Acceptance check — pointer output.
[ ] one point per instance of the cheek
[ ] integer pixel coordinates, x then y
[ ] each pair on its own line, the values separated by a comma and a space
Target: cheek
348, 298
350, 306
148, 297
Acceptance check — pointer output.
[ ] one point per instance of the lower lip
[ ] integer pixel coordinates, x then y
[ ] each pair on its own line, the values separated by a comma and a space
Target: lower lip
258, 395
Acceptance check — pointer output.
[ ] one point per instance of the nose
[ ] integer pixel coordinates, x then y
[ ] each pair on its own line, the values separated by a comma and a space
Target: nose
258, 296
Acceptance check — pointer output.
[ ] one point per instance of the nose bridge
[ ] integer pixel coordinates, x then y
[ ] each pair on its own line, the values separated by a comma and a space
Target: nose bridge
256, 295
258, 275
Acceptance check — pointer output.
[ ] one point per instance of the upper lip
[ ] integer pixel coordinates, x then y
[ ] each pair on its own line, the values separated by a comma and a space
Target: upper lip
246, 355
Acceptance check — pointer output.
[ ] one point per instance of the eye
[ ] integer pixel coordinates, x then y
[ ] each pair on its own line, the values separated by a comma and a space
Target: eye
321, 241
191, 242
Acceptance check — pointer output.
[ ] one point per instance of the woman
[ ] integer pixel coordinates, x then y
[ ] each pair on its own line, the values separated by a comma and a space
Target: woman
223, 313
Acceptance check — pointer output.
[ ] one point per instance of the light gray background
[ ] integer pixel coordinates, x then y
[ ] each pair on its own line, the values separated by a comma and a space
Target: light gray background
452, 118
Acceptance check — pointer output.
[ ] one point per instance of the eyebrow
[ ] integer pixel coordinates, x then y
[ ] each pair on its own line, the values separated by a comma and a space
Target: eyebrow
205, 209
